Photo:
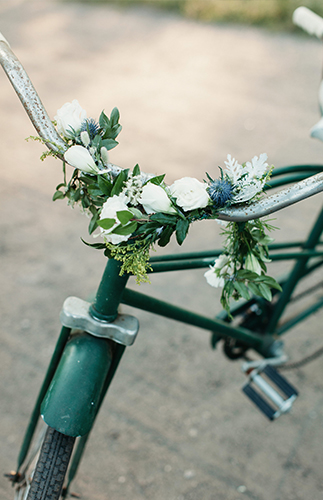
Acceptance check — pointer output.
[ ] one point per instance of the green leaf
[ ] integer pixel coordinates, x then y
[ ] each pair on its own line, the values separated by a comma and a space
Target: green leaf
94, 190
165, 236
58, 195
266, 240
98, 246
109, 143
86, 180
181, 230
246, 274
114, 117
119, 182
124, 216
136, 170
164, 218
113, 132
104, 185
254, 288
93, 223
106, 223
136, 213
271, 282
147, 227
158, 179
242, 289
229, 288
97, 142
125, 230
265, 291
104, 121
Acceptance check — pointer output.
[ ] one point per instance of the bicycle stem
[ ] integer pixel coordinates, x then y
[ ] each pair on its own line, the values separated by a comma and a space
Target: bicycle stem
110, 291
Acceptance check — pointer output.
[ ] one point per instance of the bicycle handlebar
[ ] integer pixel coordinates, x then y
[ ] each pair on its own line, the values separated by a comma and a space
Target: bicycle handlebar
308, 21
29, 98
46, 130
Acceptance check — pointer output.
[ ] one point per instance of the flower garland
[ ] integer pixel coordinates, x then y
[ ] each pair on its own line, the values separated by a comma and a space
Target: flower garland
132, 211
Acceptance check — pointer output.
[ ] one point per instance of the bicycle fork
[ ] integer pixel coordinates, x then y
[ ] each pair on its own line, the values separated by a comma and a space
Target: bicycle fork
86, 357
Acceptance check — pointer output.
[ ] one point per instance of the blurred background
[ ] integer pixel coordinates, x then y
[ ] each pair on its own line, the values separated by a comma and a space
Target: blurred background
193, 81
273, 14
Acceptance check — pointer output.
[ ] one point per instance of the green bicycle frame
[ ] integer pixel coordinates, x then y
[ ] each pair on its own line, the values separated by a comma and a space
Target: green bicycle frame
83, 366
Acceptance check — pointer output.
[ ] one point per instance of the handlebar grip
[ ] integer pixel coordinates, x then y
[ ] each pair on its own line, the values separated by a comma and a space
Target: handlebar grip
308, 21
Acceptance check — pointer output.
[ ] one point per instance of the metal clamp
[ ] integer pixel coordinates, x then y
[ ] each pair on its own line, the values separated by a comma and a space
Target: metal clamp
75, 314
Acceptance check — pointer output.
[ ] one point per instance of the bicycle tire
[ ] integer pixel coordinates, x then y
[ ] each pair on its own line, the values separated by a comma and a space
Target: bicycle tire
50, 471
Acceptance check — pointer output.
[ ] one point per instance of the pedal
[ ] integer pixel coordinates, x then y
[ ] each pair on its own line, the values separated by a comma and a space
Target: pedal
270, 391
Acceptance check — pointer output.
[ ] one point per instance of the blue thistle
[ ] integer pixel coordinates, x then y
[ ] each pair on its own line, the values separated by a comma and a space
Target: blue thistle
220, 192
91, 127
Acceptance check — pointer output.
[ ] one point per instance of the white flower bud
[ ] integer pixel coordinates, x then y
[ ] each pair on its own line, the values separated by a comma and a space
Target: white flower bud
85, 138
154, 199
104, 156
79, 157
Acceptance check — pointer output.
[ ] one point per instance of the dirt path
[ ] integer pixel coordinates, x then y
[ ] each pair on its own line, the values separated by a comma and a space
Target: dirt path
175, 425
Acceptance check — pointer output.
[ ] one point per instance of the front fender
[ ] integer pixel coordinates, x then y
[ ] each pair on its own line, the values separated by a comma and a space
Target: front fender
73, 397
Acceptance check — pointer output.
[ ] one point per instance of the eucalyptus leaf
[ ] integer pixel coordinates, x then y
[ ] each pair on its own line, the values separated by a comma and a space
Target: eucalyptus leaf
104, 121
97, 142
114, 117
109, 143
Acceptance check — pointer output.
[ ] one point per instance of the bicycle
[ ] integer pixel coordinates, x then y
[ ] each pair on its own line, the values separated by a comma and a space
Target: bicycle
126, 335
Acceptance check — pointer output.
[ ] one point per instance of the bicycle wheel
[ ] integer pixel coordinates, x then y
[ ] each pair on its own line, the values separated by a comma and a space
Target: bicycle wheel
49, 474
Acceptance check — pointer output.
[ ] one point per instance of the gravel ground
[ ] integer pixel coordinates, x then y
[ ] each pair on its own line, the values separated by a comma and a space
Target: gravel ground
175, 424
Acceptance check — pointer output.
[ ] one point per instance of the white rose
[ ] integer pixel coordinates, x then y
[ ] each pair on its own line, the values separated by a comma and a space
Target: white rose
109, 211
79, 157
190, 193
154, 199
71, 115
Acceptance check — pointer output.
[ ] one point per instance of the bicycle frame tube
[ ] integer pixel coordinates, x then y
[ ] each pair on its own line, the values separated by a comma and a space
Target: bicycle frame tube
297, 273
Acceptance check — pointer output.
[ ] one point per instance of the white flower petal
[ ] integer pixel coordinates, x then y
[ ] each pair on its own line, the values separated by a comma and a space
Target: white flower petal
190, 193
154, 199
214, 280
79, 157
70, 115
